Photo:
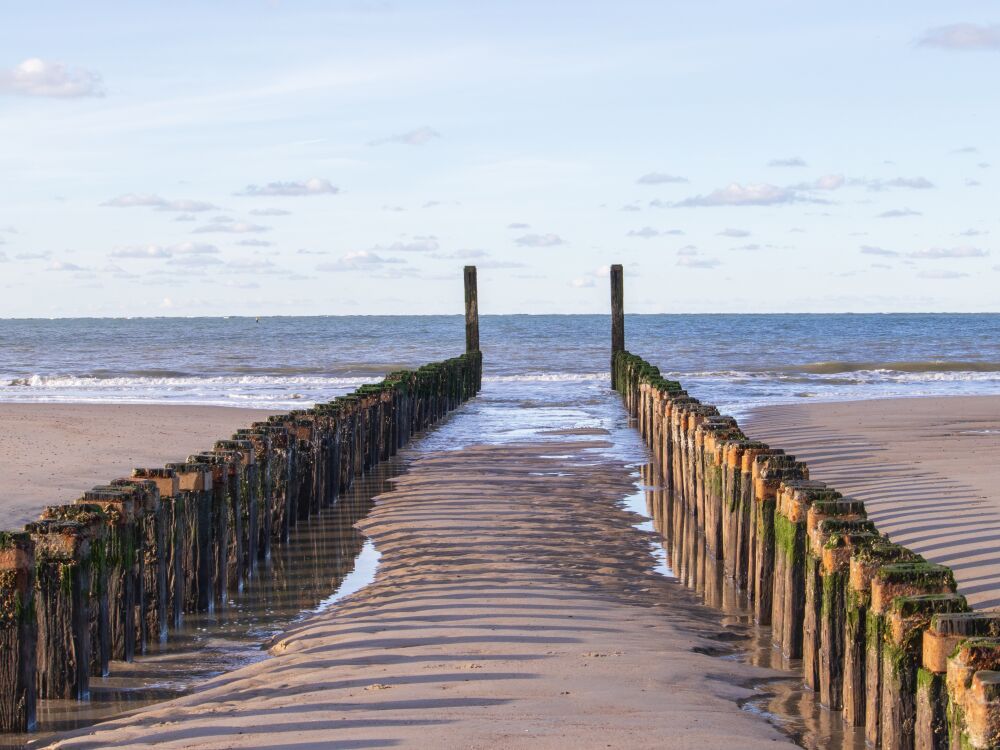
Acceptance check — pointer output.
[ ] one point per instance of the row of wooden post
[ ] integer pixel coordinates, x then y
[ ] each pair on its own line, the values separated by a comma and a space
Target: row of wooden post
104, 578
882, 634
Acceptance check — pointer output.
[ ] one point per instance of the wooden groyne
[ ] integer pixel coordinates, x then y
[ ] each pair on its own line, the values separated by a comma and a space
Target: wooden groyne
102, 579
882, 634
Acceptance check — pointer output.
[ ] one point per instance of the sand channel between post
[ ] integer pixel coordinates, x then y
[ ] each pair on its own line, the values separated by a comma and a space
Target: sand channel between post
515, 605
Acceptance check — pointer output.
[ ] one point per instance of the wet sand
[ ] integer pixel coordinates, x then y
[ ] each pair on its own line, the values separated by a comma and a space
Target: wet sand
928, 470
52, 453
515, 605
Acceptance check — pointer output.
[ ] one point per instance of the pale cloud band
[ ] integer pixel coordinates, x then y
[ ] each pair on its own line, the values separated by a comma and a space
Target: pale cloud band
37, 77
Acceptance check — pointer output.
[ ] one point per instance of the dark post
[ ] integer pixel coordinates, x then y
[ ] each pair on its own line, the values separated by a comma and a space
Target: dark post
617, 310
471, 311
617, 316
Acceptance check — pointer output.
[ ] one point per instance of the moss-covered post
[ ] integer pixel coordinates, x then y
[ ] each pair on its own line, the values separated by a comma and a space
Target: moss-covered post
882, 678
836, 539
17, 632
171, 574
203, 520
842, 509
767, 474
973, 682
243, 490
124, 562
260, 440
940, 640
151, 523
714, 432
865, 562
62, 590
909, 617
794, 498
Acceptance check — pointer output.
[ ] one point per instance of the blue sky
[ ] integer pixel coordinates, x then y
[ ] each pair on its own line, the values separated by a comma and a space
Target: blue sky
349, 157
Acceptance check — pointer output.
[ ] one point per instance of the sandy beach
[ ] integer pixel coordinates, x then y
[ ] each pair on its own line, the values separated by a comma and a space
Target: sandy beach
515, 606
52, 453
927, 469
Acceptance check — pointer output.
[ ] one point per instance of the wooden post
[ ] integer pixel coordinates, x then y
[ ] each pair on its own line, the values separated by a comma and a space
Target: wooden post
471, 310
17, 632
617, 315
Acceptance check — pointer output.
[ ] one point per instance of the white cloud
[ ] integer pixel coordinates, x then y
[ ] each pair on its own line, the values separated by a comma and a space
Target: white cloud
416, 137
973, 232
462, 255
694, 262
660, 178
145, 251
873, 250
37, 77
34, 256
195, 261
941, 275
540, 240
646, 233
236, 227
133, 200
792, 161
363, 259
251, 264
270, 212
826, 182
896, 213
254, 242
161, 251
966, 150
590, 280
964, 251
417, 245
750, 248
58, 265
518, 225
730, 232
912, 183
312, 186
735, 194
3, 258
963, 36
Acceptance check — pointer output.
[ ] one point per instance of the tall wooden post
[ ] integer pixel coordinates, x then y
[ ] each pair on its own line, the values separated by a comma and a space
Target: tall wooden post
471, 311
617, 317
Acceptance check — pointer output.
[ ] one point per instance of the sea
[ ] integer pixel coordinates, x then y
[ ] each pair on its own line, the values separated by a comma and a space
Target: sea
736, 362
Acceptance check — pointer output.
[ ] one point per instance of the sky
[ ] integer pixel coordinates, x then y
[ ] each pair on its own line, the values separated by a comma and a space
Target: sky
314, 158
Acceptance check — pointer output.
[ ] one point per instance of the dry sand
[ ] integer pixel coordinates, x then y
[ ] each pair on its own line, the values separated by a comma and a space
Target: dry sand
51, 453
928, 470
515, 606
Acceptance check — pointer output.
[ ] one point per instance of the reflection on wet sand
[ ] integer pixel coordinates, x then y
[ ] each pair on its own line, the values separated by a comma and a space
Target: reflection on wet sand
786, 702
322, 561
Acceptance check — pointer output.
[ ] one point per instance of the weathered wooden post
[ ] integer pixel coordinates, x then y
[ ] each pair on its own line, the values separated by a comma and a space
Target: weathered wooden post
62, 614
973, 684
471, 310
887, 718
17, 632
943, 635
617, 317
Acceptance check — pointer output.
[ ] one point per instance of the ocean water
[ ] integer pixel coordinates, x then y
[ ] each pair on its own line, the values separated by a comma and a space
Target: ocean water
734, 361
